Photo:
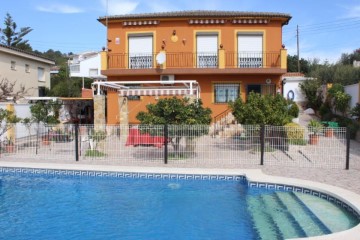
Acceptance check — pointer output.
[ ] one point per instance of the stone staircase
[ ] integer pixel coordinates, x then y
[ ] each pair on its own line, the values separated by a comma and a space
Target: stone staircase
225, 125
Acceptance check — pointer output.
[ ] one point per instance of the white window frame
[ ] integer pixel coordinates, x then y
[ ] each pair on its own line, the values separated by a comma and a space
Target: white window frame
226, 92
250, 54
138, 58
207, 54
41, 77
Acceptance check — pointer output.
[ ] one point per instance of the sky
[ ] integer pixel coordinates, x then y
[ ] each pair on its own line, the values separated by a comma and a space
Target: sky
327, 28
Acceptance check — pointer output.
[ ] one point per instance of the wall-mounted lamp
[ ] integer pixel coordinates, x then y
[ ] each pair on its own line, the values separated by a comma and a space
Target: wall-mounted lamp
221, 46
163, 42
109, 40
184, 41
174, 32
283, 82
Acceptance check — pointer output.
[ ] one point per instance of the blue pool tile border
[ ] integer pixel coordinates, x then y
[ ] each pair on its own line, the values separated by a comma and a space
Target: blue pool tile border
290, 188
111, 174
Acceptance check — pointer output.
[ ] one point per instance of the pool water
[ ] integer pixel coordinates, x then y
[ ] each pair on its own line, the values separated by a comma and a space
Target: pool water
48, 207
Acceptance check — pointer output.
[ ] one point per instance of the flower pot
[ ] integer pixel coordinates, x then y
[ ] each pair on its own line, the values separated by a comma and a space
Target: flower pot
329, 132
314, 139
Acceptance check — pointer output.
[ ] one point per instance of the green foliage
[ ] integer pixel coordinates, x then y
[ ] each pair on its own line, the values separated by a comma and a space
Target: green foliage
262, 110
355, 112
175, 111
45, 112
315, 127
97, 135
348, 59
325, 112
292, 64
312, 91
295, 133
11, 37
337, 87
186, 118
8, 119
94, 153
352, 125
342, 101
293, 109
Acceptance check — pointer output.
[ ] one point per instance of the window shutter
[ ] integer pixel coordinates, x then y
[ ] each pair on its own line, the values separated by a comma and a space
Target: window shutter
140, 45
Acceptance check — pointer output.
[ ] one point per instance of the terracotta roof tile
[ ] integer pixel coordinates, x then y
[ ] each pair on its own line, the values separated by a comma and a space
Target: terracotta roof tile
197, 13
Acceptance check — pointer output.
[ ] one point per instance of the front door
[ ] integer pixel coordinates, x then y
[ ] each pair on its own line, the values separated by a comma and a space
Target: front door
256, 88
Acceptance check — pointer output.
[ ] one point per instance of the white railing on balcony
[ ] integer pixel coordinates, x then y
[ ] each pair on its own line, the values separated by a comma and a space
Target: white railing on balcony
140, 61
207, 60
250, 59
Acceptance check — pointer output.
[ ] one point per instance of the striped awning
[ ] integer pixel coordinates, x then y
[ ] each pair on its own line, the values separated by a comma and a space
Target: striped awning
157, 92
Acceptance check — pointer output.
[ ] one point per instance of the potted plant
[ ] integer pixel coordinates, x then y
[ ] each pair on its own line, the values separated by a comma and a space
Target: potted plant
329, 128
9, 145
315, 127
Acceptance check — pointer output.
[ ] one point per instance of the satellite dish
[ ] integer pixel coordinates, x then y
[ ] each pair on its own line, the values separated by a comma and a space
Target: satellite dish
161, 58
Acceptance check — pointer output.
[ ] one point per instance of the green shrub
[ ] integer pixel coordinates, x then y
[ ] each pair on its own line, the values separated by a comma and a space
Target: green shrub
293, 109
94, 153
325, 112
352, 125
295, 134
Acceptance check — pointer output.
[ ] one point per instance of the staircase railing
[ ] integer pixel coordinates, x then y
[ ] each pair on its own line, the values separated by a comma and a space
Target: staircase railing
219, 121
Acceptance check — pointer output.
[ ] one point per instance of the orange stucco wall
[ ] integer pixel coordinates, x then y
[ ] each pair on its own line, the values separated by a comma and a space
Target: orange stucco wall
186, 34
207, 95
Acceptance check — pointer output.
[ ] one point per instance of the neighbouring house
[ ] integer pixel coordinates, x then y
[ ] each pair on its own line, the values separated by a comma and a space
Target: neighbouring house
27, 69
226, 53
291, 88
86, 64
356, 63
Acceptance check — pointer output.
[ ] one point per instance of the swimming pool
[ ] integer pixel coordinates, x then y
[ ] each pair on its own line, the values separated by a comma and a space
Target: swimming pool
62, 204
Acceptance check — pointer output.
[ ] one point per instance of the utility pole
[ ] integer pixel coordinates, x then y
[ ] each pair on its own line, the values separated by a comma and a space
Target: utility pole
298, 51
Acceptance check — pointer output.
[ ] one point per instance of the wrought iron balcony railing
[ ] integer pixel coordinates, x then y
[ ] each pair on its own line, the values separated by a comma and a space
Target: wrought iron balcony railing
196, 60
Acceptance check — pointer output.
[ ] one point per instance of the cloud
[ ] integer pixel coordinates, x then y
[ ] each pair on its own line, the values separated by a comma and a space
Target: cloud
59, 8
354, 12
119, 7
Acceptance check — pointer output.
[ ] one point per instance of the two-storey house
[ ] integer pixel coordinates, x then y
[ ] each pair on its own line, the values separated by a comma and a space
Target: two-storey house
25, 69
227, 53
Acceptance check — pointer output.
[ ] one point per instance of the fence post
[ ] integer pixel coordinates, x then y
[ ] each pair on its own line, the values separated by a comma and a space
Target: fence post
347, 148
77, 142
166, 136
262, 144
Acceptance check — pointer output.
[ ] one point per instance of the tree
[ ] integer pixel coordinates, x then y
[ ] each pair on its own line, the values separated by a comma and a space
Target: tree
187, 115
45, 112
13, 38
312, 91
263, 110
7, 120
348, 59
292, 64
7, 91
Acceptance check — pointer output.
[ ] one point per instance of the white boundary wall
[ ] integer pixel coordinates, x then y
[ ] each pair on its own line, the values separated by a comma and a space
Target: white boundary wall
353, 91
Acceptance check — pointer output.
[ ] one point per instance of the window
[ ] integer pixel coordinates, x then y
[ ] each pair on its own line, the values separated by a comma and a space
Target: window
42, 92
93, 72
250, 50
27, 68
207, 50
226, 92
41, 74
140, 52
13, 65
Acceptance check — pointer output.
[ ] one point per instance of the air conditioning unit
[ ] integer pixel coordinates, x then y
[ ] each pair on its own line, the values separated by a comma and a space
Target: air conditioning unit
167, 79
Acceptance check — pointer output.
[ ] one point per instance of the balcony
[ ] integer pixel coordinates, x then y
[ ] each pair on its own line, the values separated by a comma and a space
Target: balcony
213, 62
